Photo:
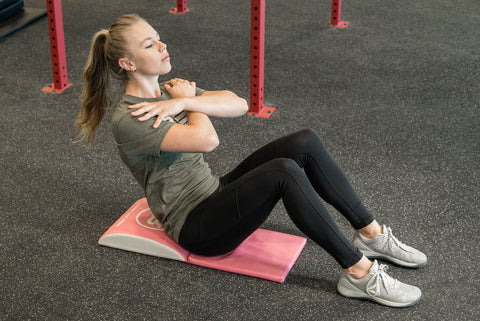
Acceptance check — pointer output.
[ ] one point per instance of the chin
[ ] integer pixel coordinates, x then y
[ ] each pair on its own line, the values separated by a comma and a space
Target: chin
166, 69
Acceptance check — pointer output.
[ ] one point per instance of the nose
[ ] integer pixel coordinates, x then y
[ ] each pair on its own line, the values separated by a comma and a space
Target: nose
162, 46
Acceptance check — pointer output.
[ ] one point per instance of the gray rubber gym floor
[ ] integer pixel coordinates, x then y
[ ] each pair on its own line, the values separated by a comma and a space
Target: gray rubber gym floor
395, 97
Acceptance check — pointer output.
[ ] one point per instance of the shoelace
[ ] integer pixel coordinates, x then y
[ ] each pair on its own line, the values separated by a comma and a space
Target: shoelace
380, 277
393, 241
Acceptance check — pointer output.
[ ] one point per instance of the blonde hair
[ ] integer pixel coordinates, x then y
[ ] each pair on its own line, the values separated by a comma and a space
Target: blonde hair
108, 46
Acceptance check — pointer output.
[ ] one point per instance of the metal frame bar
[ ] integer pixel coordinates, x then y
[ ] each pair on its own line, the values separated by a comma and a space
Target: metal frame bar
57, 47
257, 60
181, 7
336, 15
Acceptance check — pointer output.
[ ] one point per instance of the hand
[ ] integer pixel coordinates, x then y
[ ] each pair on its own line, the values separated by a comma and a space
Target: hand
178, 88
160, 109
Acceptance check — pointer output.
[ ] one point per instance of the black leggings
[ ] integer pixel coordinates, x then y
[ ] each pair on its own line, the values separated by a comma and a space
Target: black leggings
248, 194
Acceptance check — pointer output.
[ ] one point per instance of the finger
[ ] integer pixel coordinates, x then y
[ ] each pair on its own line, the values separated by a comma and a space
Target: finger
160, 117
181, 81
139, 111
139, 105
157, 122
144, 117
147, 116
148, 110
141, 108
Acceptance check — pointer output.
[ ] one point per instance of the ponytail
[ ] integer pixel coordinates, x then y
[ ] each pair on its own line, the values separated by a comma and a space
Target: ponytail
108, 46
95, 99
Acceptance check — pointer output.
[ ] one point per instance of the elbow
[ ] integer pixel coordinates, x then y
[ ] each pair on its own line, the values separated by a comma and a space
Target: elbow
243, 106
211, 142
239, 105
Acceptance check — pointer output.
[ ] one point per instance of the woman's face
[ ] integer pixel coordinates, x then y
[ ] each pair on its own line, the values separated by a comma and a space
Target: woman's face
149, 54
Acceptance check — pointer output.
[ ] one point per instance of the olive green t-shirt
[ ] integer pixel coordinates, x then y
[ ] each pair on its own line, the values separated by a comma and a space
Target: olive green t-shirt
174, 183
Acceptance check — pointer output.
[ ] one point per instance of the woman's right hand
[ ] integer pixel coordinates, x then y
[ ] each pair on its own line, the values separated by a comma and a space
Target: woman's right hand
160, 109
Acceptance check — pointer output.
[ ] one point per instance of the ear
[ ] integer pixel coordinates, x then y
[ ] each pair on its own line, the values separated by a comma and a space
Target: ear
124, 63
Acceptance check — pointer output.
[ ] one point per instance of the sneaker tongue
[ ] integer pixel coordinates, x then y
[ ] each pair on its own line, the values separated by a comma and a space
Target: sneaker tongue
384, 229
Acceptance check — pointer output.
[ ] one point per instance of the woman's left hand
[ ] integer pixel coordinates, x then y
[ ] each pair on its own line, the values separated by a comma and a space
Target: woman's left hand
178, 88
160, 109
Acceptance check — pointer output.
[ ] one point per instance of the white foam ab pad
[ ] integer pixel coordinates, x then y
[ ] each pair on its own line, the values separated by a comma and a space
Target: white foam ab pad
264, 254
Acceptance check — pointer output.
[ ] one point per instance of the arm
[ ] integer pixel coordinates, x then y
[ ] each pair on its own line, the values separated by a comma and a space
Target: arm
198, 136
222, 103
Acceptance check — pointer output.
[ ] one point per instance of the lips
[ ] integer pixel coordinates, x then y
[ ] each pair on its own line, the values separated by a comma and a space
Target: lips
167, 57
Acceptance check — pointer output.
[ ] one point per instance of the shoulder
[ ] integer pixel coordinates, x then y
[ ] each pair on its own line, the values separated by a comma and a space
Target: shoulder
127, 128
122, 113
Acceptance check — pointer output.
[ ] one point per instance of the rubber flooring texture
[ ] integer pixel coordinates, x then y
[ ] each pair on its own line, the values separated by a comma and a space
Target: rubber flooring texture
395, 97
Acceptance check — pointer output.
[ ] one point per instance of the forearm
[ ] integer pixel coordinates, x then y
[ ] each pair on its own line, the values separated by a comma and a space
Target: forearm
204, 128
200, 120
217, 103
198, 136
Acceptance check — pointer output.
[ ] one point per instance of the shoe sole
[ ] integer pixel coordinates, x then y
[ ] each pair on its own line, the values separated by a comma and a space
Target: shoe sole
375, 255
348, 293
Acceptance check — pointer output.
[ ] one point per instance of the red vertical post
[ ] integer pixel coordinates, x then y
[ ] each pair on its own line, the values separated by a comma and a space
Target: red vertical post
336, 15
257, 54
57, 47
181, 7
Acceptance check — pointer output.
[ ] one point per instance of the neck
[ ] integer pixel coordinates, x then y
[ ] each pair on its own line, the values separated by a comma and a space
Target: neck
143, 87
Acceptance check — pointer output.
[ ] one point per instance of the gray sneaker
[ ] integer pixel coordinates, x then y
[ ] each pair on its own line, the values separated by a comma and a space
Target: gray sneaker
379, 287
388, 247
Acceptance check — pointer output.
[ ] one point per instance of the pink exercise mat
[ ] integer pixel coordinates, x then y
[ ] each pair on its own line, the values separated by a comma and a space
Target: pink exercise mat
265, 254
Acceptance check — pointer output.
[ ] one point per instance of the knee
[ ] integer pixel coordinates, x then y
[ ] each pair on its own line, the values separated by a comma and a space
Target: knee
307, 138
285, 164
286, 174
307, 132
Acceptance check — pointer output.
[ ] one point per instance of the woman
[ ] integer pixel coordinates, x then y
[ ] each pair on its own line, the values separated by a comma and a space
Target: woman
161, 131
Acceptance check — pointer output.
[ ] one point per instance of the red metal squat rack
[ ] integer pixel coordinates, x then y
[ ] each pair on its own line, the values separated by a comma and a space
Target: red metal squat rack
257, 53
336, 15
181, 7
257, 50
57, 47
257, 61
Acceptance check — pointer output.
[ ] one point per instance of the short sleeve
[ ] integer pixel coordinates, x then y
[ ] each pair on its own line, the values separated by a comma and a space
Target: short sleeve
135, 137
199, 91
